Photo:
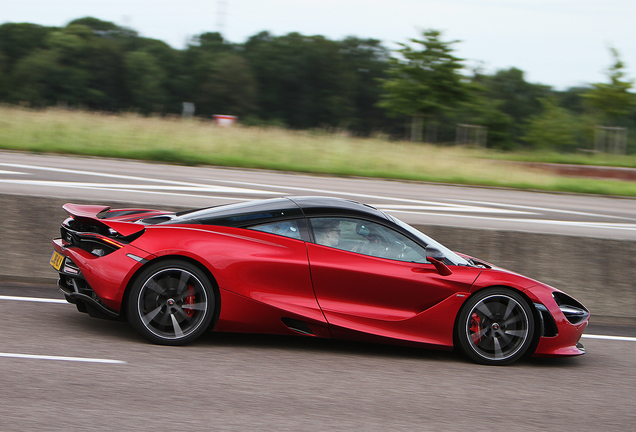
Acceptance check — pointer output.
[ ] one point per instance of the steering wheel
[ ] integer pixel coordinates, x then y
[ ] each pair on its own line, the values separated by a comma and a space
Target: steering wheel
396, 249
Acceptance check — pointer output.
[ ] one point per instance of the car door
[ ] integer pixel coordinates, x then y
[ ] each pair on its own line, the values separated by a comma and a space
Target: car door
263, 274
376, 280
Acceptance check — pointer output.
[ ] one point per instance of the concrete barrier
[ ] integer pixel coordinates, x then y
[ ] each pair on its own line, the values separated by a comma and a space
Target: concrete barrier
599, 273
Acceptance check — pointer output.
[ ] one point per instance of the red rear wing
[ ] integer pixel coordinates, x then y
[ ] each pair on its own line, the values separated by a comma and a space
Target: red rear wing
97, 215
86, 211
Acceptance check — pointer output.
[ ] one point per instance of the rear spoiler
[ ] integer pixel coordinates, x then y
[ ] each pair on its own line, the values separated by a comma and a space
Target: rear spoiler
86, 211
95, 214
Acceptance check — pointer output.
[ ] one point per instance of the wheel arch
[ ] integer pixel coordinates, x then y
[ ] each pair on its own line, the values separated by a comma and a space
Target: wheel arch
215, 286
535, 314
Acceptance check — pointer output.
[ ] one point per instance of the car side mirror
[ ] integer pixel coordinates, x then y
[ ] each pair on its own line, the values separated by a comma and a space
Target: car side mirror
436, 257
434, 253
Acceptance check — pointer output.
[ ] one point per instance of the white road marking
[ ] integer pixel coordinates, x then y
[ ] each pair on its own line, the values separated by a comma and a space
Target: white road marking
449, 207
12, 172
117, 186
603, 225
212, 197
127, 177
616, 338
33, 299
60, 358
542, 209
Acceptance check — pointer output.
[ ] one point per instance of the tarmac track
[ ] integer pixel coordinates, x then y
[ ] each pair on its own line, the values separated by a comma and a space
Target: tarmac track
99, 375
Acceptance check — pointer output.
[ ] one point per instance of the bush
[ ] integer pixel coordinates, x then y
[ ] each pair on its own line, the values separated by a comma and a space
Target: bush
555, 128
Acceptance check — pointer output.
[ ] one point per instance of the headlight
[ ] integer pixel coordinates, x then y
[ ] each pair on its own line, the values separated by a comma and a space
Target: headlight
574, 311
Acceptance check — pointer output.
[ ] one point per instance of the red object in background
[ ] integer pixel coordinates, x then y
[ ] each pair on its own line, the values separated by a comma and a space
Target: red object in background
225, 120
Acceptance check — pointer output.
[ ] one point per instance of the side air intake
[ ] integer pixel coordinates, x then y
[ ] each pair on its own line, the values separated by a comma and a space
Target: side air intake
297, 326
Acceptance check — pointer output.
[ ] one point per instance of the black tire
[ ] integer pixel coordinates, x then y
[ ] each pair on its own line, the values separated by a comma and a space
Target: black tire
171, 303
495, 326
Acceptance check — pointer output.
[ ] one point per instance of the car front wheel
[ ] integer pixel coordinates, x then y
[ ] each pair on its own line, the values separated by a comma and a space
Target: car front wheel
171, 303
495, 327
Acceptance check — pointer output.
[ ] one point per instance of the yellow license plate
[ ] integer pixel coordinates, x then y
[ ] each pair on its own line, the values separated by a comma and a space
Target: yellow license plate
56, 260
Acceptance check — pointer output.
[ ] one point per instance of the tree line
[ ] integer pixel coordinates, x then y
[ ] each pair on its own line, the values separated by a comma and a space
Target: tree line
305, 82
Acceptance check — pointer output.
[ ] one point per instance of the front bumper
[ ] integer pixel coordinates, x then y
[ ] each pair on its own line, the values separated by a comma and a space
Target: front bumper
564, 338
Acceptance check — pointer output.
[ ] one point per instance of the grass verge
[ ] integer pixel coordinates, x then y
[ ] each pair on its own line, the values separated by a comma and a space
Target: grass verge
199, 142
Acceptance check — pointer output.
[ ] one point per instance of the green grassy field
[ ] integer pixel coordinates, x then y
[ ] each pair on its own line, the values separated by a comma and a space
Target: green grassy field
199, 142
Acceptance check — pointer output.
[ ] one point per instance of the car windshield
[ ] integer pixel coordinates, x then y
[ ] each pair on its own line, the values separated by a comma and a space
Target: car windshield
449, 254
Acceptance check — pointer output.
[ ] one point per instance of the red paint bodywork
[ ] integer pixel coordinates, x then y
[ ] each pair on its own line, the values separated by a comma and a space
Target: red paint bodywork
263, 278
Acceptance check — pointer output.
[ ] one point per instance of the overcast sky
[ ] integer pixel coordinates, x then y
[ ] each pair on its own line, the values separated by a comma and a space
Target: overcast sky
562, 43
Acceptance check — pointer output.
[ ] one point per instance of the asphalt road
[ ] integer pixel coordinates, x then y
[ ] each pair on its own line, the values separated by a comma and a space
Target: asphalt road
171, 186
82, 373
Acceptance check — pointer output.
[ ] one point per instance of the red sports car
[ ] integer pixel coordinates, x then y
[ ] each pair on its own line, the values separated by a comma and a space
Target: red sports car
313, 266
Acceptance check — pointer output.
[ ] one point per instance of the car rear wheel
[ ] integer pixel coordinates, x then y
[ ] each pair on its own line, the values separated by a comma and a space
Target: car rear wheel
171, 303
495, 327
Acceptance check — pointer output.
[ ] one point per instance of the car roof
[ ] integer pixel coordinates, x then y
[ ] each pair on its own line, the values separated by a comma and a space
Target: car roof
323, 206
262, 211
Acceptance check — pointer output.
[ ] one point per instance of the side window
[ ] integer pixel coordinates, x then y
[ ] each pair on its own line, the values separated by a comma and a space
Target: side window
367, 238
285, 228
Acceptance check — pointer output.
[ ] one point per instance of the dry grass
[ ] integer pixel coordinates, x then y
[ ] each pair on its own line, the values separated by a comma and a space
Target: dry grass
198, 142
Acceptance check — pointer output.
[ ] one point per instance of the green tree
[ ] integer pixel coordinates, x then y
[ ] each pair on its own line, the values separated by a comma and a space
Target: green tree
64, 71
224, 84
144, 79
54, 74
612, 100
554, 128
175, 80
573, 100
424, 83
19, 40
3, 77
103, 61
513, 96
104, 28
66, 54
219, 80
212, 42
520, 98
487, 112
303, 81
365, 62
36, 79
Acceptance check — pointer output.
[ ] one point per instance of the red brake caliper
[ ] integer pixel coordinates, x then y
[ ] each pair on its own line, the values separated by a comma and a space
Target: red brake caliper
189, 300
475, 328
